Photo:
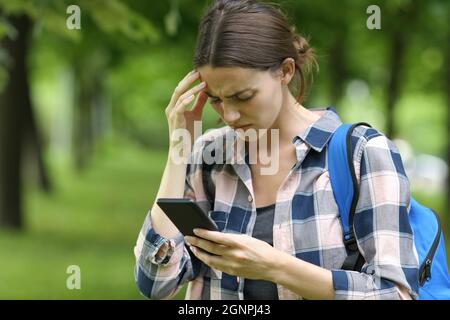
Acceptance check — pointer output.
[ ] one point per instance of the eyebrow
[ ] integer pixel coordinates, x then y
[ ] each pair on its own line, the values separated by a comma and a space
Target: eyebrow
230, 96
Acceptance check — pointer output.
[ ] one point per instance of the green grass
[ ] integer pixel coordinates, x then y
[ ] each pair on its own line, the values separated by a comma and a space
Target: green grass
91, 220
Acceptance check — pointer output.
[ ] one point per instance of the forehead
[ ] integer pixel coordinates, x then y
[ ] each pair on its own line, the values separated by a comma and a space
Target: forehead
227, 80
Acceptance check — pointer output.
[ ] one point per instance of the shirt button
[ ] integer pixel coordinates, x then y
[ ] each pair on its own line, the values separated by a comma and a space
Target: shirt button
250, 199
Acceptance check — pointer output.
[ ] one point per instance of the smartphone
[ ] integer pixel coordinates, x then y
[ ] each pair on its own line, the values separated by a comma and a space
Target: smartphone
186, 215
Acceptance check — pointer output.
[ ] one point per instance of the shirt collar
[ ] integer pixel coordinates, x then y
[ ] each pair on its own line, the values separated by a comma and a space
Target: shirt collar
315, 136
319, 133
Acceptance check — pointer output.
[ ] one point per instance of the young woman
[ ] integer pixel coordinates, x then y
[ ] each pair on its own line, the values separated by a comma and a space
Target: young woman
280, 237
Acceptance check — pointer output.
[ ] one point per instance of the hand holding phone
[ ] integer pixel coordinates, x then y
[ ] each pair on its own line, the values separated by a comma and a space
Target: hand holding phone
186, 215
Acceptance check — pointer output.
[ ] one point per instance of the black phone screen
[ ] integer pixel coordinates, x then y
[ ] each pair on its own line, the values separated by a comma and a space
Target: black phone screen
186, 215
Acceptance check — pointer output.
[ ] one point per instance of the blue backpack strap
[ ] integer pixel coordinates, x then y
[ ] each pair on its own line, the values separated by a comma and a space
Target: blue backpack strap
341, 181
345, 188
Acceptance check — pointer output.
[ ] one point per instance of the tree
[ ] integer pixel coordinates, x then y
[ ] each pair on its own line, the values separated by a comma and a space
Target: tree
405, 14
13, 105
17, 120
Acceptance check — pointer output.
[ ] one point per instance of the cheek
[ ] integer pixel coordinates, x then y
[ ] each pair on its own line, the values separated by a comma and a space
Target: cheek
267, 107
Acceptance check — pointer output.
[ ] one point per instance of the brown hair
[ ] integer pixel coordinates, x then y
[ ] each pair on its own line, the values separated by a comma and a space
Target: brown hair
252, 34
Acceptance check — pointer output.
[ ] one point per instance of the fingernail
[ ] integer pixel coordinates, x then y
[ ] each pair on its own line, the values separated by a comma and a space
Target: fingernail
202, 85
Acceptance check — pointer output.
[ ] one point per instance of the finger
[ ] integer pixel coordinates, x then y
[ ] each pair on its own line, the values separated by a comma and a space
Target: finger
206, 245
182, 105
218, 237
198, 88
200, 103
183, 86
209, 259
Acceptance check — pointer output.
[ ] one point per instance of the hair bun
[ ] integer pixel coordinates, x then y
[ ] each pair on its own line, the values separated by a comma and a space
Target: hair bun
305, 52
301, 44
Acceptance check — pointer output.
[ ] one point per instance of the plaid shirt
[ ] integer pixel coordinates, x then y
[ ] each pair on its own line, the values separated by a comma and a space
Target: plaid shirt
306, 222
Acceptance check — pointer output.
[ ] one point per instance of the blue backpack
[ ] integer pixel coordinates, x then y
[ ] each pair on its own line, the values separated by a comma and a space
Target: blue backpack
433, 279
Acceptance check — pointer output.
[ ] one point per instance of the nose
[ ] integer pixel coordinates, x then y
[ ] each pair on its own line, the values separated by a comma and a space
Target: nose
230, 115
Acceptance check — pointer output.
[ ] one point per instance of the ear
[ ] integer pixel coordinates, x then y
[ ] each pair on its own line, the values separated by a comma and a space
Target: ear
287, 70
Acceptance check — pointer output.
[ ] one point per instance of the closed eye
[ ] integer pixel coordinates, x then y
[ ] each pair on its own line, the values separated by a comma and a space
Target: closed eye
238, 99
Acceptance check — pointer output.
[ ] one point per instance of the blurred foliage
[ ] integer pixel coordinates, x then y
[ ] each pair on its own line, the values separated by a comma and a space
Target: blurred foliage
110, 16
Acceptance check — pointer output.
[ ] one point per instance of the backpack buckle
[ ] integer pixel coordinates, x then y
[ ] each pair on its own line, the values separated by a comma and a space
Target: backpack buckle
350, 241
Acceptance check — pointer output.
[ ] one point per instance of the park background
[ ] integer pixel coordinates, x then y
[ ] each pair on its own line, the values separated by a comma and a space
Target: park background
83, 135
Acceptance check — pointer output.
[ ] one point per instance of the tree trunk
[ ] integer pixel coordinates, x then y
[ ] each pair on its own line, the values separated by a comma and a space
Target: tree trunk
82, 125
338, 69
12, 102
405, 15
83, 133
90, 112
393, 92
32, 138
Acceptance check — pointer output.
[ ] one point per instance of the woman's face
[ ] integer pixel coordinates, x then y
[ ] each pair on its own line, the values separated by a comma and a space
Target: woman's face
244, 97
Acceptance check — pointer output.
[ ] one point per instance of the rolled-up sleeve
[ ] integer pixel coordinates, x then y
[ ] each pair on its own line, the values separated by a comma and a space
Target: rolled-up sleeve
163, 265
383, 233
